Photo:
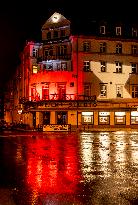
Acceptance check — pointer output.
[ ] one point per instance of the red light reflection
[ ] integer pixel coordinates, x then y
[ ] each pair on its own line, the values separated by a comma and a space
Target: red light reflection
52, 165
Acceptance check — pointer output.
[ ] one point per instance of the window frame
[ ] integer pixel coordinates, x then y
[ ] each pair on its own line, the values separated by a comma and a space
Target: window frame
118, 30
86, 66
102, 91
119, 48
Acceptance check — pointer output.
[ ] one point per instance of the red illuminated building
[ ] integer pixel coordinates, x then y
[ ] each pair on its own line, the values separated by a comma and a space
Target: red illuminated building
78, 80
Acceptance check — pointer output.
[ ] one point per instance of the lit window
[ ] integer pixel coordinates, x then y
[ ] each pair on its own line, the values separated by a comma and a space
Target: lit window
34, 69
120, 118
119, 91
104, 118
134, 117
87, 117
118, 67
86, 67
103, 66
133, 67
118, 31
35, 52
103, 90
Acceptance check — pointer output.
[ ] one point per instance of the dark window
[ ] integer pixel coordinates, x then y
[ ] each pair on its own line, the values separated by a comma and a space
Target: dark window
55, 34
49, 35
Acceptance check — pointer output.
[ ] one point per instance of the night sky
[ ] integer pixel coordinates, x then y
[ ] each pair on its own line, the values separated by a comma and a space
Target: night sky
22, 20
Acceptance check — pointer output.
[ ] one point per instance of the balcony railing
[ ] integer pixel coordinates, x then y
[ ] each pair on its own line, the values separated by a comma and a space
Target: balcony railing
58, 97
54, 57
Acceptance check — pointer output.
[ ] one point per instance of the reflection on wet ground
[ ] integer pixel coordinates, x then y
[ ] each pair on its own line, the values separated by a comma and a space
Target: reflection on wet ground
69, 168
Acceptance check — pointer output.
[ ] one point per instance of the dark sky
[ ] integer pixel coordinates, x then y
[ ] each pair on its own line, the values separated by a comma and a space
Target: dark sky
22, 20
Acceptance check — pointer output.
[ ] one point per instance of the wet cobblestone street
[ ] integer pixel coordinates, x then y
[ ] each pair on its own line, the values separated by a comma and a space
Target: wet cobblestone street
87, 168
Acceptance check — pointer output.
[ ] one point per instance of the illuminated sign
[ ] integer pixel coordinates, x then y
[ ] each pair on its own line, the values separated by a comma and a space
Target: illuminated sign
56, 127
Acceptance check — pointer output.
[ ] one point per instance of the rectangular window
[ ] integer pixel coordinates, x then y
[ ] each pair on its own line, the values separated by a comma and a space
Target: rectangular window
119, 91
49, 35
33, 93
86, 66
102, 29
35, 52
133, 49
58, 66
103, 66
45, 92
118, 31
133, 68
86, 46
61, 89
102, 47
87, 117
118, 67
64, 66
104, 118
87, 89
134, 91
35, 69
134, 32
61, 51
120, 118
62, 33
119, 48
134, 117
55, 35
103, 90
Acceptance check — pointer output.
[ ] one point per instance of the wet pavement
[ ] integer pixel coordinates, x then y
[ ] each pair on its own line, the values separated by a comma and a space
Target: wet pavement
87, 168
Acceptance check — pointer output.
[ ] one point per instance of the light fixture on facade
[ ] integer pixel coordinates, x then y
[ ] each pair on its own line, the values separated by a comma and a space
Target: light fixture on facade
55, 18
20, 111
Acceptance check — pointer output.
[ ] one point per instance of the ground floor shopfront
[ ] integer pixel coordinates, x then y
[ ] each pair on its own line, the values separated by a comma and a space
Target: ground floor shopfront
79, 115
81, 118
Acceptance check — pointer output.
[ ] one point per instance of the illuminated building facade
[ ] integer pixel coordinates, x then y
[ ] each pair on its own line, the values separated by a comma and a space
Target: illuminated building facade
82, 80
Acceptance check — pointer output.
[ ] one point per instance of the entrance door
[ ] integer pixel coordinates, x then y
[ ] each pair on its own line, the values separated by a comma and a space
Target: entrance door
46, 118
61, 118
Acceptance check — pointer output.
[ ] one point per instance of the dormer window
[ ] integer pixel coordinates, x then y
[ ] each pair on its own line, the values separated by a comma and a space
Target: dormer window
134, 32
102, 29
118, 31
